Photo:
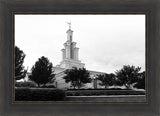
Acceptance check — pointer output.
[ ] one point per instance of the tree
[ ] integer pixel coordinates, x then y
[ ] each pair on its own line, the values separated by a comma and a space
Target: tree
20, 72
106, 80
77, 77
141, 81
127, 75
42, 72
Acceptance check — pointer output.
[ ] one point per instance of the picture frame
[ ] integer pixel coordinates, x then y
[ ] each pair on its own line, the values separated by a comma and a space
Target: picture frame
8, 8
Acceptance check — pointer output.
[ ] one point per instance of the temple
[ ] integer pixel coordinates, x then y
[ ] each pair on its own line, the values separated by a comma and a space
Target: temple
70, 59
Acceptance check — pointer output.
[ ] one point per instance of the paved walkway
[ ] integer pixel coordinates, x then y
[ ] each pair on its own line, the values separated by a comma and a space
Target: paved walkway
111, 98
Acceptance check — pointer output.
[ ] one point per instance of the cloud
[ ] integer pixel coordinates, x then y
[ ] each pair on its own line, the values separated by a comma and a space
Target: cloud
106, 42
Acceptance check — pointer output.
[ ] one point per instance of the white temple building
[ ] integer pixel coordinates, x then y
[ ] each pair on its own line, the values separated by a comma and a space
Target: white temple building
70, 59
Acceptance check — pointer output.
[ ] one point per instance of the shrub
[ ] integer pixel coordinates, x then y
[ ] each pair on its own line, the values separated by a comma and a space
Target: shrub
48, 86
39, 94
25, 84
22, 94
99, 89
77, 94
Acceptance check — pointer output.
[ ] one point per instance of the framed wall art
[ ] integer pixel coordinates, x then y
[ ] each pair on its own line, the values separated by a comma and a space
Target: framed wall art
76, 57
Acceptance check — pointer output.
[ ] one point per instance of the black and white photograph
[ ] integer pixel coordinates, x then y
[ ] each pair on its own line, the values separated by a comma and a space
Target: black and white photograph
80, 58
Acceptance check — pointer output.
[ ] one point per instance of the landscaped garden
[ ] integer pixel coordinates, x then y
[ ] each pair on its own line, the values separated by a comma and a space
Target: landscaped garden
40, 87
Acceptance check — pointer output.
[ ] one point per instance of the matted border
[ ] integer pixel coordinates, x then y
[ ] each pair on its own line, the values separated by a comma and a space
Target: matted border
7, 7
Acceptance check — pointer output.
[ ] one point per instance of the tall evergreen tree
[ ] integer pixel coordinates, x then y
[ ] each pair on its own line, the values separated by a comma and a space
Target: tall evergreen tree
20, 72
42, 72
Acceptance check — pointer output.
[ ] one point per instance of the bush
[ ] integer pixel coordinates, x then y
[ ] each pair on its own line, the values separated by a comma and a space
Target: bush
25, 84
39, 94
48, 86
99, 89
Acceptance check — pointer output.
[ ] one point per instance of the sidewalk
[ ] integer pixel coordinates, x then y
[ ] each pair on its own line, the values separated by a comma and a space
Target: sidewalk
111, 98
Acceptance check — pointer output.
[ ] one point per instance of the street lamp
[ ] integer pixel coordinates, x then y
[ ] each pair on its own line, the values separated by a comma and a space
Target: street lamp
95, 82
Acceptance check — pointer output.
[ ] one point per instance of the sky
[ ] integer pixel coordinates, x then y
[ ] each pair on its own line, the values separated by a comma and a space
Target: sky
105, 42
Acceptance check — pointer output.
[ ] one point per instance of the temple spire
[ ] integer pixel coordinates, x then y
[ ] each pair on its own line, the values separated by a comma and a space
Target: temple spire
69, 23
70, 52
69, 33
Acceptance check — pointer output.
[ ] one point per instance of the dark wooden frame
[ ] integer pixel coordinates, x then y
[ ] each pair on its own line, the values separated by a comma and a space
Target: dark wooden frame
148, 7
